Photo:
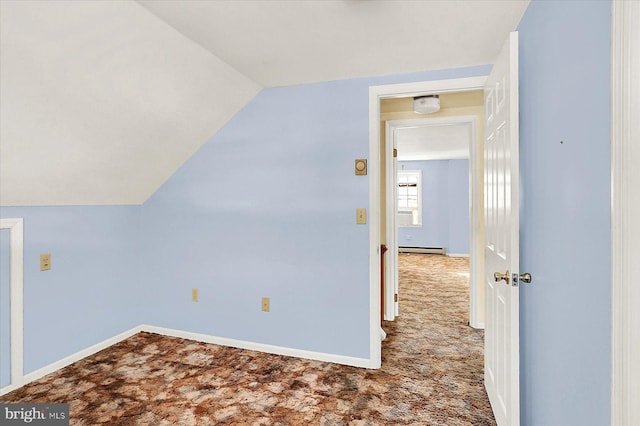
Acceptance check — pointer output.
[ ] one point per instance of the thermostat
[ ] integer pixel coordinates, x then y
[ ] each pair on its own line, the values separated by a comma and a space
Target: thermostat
361, 167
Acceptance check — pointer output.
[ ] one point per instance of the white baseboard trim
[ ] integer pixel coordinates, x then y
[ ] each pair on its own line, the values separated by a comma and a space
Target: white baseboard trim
422, 250
48, 369
222, 341
458, 254
262, 347
477, 325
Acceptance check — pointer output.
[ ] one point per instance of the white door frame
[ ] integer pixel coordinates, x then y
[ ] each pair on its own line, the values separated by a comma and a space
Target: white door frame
16, 243
376, 94
391, 228
625, 210
391, 265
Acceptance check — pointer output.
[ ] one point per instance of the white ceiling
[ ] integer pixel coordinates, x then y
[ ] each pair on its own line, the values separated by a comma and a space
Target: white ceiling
434, 142
102, 101
288, 42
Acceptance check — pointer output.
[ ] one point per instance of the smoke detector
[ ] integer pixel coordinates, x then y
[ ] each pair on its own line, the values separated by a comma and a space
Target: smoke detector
426, 104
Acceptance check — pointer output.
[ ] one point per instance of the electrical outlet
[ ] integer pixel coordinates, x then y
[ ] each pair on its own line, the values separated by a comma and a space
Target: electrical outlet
266, 302
194, 294
45, 262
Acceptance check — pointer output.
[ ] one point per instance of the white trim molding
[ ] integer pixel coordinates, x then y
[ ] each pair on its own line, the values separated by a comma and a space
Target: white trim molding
16, 278
205, 338
57, 365
625, 204
375, 303
262, 347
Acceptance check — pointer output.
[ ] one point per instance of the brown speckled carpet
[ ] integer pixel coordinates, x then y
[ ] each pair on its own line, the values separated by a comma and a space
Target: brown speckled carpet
431, 373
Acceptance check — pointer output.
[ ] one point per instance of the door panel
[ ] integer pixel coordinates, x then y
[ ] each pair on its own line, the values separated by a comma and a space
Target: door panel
501, 234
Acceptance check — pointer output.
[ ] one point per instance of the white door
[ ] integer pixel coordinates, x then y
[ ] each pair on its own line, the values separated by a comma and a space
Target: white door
501, 356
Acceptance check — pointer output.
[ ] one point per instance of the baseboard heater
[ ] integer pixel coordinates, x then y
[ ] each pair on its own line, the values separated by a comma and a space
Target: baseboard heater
424, 250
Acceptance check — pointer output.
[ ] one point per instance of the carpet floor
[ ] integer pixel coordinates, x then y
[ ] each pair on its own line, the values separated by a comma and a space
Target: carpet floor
431, 372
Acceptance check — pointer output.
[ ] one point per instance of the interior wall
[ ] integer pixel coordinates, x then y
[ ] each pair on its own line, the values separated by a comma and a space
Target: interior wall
445, 206
92, 291
565, 233
459, 208
267, 209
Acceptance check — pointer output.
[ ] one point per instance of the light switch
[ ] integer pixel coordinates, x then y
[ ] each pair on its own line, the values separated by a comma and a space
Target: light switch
266, 304
194, 295
45, 262
361, 216
361, 167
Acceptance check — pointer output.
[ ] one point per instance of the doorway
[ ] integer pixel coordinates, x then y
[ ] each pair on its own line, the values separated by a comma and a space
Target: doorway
5, 308
441, 144
14, 261
376, 179
500, 155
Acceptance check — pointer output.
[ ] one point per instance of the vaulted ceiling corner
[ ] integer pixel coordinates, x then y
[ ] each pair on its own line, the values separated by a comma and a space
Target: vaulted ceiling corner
102, 101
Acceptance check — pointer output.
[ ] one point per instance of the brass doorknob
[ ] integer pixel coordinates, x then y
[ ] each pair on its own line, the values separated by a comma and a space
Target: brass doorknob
497, 276
525, 278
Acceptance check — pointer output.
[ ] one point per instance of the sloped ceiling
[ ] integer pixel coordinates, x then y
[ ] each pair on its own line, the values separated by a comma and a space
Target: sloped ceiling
278, 43
102, 101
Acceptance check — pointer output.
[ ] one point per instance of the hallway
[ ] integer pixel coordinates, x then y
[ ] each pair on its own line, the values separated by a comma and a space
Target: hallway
431, 341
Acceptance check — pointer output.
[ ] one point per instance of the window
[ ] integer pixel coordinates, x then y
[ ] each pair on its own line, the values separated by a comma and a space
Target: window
410, 198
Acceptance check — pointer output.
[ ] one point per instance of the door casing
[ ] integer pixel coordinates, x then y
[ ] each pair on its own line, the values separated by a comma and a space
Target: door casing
476, 306
16, 244
625, 209
376, 94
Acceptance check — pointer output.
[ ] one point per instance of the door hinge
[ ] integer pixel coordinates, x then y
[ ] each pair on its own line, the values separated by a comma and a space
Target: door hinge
395, 297
395, 152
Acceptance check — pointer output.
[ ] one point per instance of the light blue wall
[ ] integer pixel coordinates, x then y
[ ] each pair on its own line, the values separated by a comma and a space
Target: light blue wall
267, 208
92, 291
434, 231
459, 209
565, 218
5, 313
445, 214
